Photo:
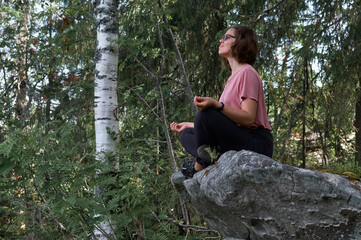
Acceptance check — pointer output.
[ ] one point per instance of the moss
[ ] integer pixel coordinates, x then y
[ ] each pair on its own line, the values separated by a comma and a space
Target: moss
349, 175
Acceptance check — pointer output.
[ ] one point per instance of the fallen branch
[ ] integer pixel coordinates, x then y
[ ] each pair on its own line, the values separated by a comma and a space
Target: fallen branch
191, 227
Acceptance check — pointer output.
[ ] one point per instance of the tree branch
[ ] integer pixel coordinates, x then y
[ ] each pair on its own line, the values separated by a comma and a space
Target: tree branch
263, 13
143, 100
59, 225
154, 76
161, 102
180, 62
267, 11
192, 227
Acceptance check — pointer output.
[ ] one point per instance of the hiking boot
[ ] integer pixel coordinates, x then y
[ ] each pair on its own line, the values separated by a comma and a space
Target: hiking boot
187, 169
207, 154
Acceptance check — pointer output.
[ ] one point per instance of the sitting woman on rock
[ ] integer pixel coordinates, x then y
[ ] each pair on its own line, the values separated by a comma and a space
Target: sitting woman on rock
239, 119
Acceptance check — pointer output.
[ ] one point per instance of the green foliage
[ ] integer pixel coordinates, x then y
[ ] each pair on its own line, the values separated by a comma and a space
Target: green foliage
350, 168
47, 175
308, 61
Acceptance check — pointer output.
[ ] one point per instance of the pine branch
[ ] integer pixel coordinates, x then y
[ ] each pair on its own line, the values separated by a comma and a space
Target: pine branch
267, 11
262, 14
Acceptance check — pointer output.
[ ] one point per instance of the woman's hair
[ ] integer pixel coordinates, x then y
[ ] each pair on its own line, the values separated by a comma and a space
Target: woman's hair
245, 48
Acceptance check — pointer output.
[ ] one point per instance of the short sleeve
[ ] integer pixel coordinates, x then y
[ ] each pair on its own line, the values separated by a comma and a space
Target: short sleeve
249, 85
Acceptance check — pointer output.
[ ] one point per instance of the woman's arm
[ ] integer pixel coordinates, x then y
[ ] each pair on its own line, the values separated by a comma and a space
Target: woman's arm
244, 117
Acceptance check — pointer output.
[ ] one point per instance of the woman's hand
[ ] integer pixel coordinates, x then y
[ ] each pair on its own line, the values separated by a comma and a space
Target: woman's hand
179, 127
205, 102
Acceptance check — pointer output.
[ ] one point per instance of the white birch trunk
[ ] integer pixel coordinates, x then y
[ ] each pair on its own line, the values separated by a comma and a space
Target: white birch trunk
105, 91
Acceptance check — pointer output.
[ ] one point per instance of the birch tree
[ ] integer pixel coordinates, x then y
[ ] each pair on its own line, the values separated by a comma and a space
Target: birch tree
105, 94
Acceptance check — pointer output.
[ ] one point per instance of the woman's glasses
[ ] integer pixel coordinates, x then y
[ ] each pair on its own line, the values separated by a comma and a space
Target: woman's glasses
227, 36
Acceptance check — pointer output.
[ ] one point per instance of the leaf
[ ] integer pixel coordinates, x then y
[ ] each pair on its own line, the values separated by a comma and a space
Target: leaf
6, 147
6, 167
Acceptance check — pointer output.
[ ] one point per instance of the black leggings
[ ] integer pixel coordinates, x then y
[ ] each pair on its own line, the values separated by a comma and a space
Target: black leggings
215, 129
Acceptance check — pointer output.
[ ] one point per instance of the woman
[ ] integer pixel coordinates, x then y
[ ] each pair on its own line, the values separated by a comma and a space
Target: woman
239, 119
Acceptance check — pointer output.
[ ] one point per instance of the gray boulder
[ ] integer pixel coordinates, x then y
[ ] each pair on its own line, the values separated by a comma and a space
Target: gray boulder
246, 195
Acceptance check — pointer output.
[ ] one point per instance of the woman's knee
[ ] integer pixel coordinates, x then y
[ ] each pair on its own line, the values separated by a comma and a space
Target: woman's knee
186, 133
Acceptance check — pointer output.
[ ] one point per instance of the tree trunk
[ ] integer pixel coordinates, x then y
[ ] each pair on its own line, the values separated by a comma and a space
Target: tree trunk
305, 81
105, 91
21, 62
20, 99
358, 124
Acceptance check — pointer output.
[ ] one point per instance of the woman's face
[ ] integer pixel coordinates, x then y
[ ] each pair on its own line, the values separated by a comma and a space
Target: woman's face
227, 41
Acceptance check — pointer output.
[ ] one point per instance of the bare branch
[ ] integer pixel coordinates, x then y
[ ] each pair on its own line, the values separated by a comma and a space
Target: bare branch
156, 78
143, 100
192, 227
180, 62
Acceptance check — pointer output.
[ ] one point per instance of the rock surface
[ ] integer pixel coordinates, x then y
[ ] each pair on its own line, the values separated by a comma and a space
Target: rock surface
246, 195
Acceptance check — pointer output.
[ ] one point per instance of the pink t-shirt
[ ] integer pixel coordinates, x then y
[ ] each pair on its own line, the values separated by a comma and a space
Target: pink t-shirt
246, 83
